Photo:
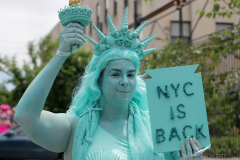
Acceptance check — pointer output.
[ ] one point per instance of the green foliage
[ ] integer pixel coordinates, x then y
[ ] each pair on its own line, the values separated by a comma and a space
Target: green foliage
60, 95
233, 7
223, 147
4, 94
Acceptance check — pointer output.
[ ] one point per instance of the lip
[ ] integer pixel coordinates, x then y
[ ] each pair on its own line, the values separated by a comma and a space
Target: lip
124, 91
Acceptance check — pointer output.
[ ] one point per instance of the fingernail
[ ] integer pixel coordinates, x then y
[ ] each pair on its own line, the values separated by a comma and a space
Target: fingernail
187, 137
194, 138
190, 139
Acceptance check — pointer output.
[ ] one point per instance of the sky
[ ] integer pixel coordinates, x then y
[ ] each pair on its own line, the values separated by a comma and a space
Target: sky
22, 21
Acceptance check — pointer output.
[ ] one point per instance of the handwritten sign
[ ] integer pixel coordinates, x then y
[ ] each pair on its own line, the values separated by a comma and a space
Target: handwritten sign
177, 107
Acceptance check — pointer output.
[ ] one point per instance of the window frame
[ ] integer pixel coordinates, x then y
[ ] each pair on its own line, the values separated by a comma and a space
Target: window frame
224, 23
98, 14
115, 5
106, 8
184, 37
125, 3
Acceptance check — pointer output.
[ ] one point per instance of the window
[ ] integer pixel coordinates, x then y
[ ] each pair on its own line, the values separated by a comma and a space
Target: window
220, 27
99, 24
223, 26
98, 14
175, 30
125, 3
115, 7
90, 25
106, 8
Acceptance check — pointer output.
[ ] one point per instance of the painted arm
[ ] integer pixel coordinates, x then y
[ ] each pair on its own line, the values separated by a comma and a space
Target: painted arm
49, 130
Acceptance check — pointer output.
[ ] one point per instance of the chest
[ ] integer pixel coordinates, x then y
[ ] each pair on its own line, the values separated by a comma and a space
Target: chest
118, 130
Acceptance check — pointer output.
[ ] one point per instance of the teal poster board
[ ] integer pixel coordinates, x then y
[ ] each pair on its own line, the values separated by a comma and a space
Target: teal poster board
176, 107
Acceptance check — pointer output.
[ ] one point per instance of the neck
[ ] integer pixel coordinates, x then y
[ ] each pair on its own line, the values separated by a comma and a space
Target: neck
113, 113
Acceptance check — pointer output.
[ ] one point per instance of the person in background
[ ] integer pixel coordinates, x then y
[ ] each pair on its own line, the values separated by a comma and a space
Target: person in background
12, 120
5, 122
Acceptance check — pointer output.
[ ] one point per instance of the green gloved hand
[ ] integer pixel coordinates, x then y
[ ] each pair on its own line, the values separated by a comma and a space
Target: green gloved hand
71, 38
192, 146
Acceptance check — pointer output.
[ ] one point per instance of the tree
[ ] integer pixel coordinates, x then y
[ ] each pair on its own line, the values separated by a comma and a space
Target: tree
222, 11
4, 94
60, 96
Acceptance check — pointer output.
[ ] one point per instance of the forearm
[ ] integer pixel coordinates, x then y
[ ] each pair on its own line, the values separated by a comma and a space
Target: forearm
32, 101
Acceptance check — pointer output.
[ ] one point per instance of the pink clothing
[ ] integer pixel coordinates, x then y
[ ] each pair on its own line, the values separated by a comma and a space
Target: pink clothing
5, 107
4, 128
5, 113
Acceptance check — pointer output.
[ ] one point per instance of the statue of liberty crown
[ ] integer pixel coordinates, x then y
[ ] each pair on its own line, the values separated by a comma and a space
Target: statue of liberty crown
122, 37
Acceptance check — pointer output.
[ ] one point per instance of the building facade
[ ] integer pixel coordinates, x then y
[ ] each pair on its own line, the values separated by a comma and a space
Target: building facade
165, 24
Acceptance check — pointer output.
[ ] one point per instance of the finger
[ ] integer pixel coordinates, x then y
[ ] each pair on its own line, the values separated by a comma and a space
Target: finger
189, 149
77, 25
194, 146
183, 150
75, 35
74, 30
197, 143
75, 41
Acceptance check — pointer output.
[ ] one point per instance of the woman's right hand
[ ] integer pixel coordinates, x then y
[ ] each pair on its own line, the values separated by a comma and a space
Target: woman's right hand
187, 152
72, 34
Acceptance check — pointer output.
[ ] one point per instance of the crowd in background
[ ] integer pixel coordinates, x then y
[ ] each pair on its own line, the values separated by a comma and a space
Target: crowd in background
6, 117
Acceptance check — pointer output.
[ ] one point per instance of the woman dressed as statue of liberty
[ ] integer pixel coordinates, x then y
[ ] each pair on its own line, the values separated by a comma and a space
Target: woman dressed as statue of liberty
107, 119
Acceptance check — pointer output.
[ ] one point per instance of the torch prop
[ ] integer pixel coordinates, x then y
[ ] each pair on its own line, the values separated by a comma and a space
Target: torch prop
77, 14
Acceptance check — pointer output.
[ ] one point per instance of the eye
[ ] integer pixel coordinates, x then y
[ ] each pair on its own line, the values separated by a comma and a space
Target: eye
131, 75
115, 74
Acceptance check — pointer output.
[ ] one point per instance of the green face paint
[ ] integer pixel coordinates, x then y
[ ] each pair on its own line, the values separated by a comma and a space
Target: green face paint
118, 83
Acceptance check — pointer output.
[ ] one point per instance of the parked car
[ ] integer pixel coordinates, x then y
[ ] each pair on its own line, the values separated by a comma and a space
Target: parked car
14, 144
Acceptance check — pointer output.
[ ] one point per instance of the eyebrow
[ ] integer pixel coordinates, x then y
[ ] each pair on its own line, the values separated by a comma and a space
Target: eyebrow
133, 70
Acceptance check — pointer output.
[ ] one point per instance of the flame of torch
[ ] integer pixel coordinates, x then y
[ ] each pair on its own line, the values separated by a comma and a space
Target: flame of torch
74, 2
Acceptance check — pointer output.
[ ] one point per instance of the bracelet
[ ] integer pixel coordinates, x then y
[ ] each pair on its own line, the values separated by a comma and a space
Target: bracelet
60, 53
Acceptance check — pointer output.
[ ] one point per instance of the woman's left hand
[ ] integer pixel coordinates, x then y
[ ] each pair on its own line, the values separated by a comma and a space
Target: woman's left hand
192, 146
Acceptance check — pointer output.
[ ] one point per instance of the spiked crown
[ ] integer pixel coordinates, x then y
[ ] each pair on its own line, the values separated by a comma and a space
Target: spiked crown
122, 37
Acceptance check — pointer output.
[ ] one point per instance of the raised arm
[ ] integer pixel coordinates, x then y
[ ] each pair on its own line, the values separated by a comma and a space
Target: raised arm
49, 130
